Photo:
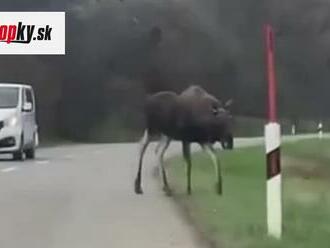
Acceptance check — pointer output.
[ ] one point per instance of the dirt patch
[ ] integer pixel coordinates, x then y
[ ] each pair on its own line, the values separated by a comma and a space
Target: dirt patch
306, 169
183, 207
203, 236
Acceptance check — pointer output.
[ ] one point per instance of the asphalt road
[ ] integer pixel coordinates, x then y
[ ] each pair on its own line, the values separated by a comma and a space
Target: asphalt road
81, 196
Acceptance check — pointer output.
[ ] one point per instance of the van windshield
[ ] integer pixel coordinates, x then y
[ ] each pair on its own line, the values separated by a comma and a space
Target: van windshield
8, 97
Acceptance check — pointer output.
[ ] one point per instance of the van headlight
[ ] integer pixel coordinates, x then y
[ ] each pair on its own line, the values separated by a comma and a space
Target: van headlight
12, 121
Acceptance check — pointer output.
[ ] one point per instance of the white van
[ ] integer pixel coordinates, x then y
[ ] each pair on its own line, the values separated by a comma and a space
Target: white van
18, 126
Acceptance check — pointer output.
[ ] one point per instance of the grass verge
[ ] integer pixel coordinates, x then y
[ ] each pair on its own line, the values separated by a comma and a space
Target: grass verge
237, 219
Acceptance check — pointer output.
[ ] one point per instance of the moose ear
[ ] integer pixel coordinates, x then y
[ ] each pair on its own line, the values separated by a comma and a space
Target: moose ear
229, 103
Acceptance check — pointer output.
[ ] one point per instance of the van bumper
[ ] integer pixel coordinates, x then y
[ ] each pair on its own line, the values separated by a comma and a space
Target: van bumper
10, 139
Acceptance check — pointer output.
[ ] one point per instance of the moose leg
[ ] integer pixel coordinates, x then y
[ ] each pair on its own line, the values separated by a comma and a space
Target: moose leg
159, 144
143, 146
215, 160
187, 157
163, 145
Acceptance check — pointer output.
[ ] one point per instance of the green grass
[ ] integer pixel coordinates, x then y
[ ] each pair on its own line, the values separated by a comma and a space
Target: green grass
238, 218
315, 149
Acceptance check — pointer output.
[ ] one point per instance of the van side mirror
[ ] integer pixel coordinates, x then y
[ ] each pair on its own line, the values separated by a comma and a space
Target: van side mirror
27, 107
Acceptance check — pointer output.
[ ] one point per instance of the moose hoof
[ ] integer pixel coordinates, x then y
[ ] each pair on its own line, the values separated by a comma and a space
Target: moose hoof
138, 191
189, 191
138, 188
167, 191
218, 189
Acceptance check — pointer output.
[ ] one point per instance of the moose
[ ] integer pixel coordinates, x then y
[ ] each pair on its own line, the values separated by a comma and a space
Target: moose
192, 116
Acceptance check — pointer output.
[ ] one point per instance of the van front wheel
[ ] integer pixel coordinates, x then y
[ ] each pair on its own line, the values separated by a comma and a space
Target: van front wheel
30, 153
19, 155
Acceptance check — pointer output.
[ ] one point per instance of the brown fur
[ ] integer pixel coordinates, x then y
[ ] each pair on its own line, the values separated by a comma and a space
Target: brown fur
187, 117
192, 116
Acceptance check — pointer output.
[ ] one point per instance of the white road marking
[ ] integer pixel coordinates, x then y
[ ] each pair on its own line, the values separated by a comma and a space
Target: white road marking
42, 162
69, 156
9, 169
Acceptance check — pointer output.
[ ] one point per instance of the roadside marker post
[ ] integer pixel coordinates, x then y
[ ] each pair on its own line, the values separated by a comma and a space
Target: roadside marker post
293, 129
272, 143
320, 130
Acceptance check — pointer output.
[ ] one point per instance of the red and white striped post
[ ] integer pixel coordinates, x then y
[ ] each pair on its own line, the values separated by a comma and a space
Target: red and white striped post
273, 141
